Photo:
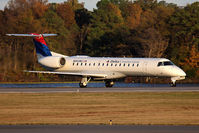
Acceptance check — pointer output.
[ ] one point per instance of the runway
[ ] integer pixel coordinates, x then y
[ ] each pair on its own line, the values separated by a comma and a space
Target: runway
119, 89
98, 129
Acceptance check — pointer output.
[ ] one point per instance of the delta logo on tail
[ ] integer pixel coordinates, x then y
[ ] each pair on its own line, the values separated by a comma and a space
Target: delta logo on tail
41, 46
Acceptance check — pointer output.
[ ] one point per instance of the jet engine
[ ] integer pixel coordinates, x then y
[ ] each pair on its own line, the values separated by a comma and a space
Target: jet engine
52, 61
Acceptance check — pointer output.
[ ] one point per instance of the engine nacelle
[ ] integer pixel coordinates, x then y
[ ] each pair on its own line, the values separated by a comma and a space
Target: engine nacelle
52, 61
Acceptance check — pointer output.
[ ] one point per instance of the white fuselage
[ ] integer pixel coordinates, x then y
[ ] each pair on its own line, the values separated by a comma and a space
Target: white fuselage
121, 67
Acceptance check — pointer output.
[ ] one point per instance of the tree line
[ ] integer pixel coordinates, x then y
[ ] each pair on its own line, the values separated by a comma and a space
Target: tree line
117, 28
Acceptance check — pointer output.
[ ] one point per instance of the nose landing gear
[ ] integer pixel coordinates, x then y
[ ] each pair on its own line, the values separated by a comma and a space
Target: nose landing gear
173, 81
173, 84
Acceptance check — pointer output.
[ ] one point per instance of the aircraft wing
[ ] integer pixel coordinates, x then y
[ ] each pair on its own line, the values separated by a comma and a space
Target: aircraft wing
87, 74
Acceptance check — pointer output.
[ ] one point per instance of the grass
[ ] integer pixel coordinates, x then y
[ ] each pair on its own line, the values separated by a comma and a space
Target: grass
98, 108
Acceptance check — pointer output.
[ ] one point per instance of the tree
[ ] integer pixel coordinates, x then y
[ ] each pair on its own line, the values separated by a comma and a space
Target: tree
64, 43
66, 12
147, 4
38, 7
108, 13
83, 19
184, 26
123, 5
1, 22
191, 64
75, 4
134, 12
104, 21
164, 12
149, 43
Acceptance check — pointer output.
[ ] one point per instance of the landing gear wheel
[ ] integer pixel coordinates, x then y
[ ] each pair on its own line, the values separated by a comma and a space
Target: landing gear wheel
173, 84
109, 83
82, 85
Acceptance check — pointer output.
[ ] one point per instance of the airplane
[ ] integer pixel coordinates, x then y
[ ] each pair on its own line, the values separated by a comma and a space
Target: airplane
107, 69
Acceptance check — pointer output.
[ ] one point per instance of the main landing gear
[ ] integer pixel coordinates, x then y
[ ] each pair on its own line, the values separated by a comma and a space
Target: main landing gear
83, 83
109, 83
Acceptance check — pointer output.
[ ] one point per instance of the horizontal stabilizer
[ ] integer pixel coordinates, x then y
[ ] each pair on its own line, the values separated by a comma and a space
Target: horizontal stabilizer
71, 73
32, 35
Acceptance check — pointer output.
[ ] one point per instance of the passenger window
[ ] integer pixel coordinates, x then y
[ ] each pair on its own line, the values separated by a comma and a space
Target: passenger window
77, 64
81, 64
85, 64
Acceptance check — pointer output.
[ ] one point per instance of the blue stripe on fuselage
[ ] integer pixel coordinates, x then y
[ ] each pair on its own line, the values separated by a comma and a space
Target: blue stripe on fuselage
42, 49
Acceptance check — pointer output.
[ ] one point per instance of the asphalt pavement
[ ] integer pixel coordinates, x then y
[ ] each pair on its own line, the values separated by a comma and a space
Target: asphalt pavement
101, 89
98, 129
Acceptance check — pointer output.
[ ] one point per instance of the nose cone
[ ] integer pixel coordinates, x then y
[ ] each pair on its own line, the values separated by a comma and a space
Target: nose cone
180, 72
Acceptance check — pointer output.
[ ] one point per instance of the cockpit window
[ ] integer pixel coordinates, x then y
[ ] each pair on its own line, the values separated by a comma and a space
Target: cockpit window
165, 63
168, 63
160, 63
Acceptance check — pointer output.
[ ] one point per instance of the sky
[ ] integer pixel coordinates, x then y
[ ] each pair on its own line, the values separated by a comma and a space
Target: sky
90, 4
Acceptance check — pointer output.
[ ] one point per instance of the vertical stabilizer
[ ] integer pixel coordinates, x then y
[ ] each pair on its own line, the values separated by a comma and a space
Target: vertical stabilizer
42, 49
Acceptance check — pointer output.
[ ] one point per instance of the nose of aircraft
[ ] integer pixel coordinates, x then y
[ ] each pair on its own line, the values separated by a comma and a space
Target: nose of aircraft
181, 73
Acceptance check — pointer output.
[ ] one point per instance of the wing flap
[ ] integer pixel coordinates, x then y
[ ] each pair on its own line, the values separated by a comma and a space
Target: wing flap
71, 73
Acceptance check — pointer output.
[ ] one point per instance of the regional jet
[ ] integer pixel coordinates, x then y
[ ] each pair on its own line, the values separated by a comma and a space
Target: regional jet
107, 69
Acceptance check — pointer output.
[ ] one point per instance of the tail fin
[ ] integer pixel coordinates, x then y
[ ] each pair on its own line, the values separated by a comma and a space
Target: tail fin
42, 49
41, 46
